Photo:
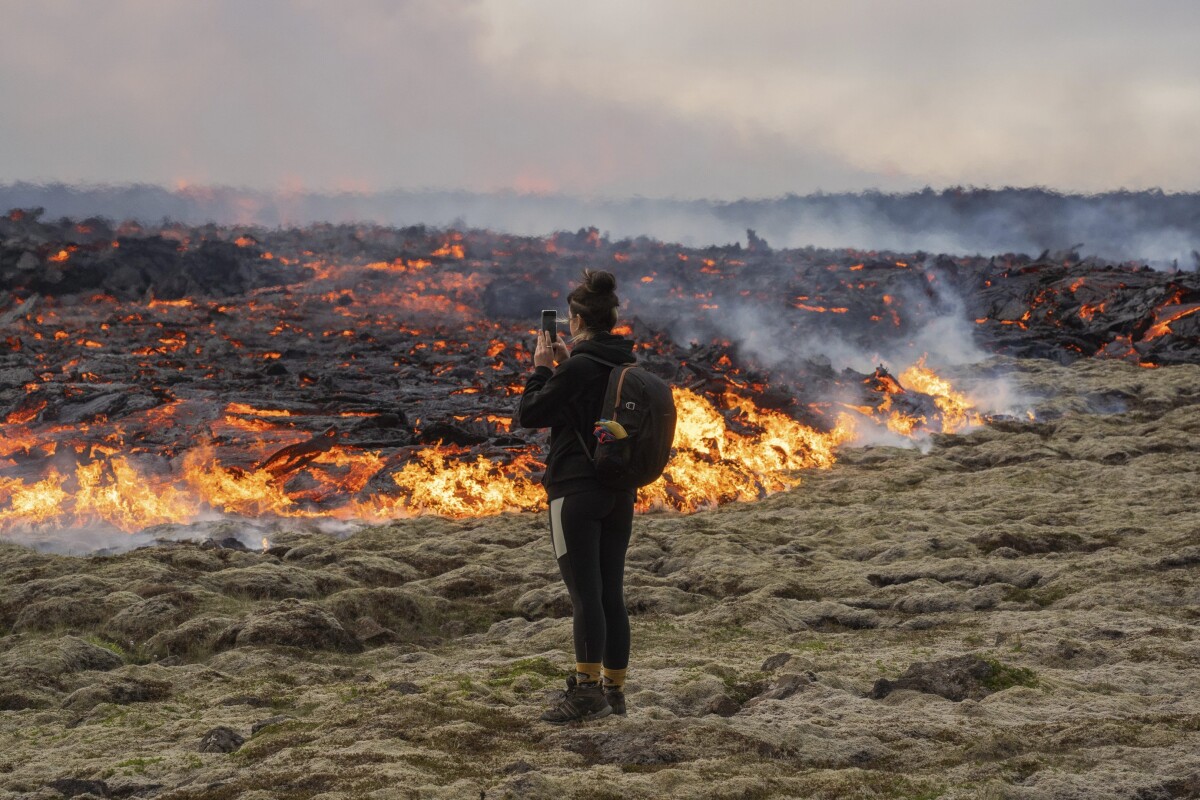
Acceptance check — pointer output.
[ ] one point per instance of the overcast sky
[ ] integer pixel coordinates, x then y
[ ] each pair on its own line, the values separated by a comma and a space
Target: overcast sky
684, 98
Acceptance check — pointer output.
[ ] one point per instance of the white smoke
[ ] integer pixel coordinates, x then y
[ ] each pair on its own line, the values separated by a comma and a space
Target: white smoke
1148, 227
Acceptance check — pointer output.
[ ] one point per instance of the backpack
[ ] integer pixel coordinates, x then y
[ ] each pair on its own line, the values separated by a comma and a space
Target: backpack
634, 451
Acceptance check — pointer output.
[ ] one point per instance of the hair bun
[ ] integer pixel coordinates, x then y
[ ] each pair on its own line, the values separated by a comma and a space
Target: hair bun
599, 281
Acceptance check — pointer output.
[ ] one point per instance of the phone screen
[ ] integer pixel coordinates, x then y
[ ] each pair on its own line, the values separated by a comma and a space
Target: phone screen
550, 323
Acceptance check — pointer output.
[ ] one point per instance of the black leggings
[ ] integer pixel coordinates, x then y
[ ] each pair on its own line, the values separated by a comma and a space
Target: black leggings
590, 532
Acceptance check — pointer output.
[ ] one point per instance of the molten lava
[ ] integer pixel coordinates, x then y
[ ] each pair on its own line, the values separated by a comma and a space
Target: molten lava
384, 384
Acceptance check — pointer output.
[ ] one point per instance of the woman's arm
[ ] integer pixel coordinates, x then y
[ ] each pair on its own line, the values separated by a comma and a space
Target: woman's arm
548, 393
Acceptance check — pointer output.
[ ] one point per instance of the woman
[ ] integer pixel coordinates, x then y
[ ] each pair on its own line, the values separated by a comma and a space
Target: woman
590, 525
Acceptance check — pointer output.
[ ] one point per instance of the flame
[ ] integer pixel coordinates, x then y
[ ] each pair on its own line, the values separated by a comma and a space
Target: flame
23, 415
114, 492
958, 413
39, 502
713, 464
266, 461
15, 441
253, 493
438, 481
819, 309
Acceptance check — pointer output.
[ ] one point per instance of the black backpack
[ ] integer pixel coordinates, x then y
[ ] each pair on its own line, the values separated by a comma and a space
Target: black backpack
642, 406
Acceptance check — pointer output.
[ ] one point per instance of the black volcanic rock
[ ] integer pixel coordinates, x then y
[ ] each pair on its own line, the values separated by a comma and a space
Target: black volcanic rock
221, 739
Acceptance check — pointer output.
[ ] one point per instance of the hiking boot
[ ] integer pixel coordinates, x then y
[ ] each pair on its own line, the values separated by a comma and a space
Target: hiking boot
615, 695
580, 702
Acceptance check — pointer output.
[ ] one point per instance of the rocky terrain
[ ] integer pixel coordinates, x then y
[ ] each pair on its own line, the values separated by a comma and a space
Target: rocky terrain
1013, 614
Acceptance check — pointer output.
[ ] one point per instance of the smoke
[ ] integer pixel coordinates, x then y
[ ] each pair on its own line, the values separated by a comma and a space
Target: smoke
215, 527
1150, 227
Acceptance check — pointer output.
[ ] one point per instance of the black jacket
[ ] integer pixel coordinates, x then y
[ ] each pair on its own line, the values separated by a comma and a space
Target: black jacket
568, 399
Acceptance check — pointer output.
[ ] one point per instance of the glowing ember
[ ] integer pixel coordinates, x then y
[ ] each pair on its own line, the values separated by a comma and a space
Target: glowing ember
1165, 316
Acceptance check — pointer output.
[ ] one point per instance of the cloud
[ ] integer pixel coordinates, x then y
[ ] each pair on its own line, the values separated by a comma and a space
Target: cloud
693, 98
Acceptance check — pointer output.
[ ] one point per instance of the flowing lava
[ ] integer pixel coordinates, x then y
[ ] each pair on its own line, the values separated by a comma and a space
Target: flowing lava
137, 413
713, 464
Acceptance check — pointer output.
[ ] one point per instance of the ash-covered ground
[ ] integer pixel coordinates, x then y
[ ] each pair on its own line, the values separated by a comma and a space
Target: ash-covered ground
1010, 615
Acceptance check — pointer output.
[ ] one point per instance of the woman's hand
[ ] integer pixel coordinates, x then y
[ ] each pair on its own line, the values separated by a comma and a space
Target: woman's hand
547, 353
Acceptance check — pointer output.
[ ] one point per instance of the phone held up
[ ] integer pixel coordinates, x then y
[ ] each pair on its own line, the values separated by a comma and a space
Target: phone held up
550, 324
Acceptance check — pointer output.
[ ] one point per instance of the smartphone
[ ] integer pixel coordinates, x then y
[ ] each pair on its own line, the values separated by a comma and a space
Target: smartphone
550, 323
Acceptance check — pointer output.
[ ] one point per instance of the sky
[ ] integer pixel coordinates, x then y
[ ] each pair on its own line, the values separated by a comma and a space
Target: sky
659, 98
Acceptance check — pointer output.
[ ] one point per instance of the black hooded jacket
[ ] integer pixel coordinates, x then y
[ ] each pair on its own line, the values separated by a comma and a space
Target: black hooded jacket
567, 399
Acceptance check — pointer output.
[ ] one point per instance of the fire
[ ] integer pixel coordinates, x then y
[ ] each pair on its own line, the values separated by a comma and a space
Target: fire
262, 452
17, 441
114, 492
39, 502
26, 414
819, 309
436, 481
902, 415
958, 412
254, 493
713, 464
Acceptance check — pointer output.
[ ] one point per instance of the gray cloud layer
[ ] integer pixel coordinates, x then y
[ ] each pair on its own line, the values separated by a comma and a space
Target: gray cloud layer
675, 97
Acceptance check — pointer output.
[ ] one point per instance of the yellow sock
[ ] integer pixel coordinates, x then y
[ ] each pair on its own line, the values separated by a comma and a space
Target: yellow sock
587, 671
614, 677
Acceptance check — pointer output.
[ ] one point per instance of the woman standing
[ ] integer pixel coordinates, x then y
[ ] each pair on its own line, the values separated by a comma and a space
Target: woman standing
590, 525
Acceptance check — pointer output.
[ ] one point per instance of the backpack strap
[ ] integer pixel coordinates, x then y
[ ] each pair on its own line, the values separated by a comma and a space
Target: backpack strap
607, 363
582, 442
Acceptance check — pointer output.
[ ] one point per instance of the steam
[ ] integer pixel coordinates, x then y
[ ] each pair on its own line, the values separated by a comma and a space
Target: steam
215, 527
937, 331
1150, 226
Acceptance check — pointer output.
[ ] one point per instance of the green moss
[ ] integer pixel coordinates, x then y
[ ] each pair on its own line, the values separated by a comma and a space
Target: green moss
875, 783
741, 688
727, 633
1005, 677
275, 738
137, 766
112, 647
1044, 596
504, 676
1103, 687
